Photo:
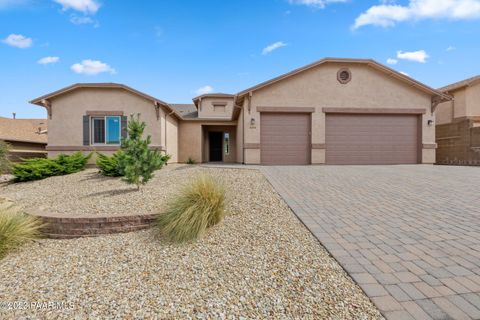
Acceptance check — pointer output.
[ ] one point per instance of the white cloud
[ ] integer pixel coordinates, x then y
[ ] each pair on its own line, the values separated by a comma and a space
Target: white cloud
315, 3
85, 6
392, 61
273, 46
387, 15
18, 40
204, 90
417, 56
81, 20
91, 67
451, 48
404, 73
48, 60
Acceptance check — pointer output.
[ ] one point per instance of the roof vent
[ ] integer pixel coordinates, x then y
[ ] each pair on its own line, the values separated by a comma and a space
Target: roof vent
344, 76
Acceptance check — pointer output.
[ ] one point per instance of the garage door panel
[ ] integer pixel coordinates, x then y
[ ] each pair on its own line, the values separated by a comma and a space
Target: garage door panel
371, 139
284, 138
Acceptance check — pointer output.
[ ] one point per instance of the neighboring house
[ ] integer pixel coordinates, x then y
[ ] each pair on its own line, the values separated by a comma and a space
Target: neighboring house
333, 111
458, 124
27, 137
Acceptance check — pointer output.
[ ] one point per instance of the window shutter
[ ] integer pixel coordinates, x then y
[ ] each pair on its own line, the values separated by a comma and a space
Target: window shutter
124, 127
86, 130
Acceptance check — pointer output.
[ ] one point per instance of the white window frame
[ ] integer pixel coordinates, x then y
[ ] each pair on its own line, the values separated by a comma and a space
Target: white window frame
105, 133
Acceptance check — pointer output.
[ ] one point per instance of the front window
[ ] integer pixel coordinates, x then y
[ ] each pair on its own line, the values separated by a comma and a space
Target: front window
226, 138
106, 130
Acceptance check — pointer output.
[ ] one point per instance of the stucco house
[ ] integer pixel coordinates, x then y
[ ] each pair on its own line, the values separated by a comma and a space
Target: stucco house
458, 124
27, 138
333, 111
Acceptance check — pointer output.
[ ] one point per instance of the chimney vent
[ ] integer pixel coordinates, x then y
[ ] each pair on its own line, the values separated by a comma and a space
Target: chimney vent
14, 115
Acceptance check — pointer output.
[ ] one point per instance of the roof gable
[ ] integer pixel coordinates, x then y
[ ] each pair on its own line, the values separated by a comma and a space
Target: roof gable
460, 84
41, 100
369, 62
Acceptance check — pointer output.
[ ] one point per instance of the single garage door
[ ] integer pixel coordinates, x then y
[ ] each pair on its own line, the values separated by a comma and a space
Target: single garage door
372, 139
285, 138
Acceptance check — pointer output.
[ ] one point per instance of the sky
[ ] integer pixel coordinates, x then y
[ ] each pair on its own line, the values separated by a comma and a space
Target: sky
177, 49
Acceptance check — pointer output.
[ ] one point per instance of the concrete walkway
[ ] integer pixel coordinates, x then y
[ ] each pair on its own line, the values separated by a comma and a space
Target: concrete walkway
408, 235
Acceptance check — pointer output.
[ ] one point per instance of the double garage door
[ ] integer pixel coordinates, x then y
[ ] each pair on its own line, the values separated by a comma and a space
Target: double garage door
350, 138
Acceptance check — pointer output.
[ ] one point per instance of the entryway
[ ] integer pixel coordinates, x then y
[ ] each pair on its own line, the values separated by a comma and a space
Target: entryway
215, 146
219, 143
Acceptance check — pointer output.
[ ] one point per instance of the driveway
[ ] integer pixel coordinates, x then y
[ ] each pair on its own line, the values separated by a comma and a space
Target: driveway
408, 235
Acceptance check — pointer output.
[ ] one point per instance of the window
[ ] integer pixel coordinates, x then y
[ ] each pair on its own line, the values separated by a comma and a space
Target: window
226, 139
106, 130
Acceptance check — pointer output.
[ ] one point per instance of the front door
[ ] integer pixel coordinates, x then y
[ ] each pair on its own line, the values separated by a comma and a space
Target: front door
215, 146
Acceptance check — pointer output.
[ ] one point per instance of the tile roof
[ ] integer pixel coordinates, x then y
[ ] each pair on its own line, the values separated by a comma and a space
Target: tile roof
459, 84
187, 111
23, 130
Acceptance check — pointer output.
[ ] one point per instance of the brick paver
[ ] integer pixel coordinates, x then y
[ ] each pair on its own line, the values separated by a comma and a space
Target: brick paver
408, 235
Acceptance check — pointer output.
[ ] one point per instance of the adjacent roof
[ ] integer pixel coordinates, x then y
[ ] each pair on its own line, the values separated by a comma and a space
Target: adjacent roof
460, 84
39, 100
24, 130
369, 62
187, 111
214, 95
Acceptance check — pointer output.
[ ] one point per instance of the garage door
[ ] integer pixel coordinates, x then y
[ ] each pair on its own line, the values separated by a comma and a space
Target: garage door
285, 138
372, 139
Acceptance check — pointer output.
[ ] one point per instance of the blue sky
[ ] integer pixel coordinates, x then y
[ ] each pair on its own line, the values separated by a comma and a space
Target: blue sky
174, 49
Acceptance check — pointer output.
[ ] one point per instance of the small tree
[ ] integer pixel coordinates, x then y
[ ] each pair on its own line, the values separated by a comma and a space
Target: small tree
5, 164
138, 160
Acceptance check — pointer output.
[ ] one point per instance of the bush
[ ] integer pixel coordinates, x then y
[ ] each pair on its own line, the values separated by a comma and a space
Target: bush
5, 164
199, 205
111, 166
191, 161
16, 228
41, 168
139, 161
166, 158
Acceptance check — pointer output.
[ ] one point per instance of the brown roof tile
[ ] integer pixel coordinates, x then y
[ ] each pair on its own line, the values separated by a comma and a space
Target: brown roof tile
23, 130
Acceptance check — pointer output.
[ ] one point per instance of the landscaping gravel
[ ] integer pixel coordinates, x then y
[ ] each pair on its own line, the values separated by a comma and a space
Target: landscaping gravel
260, 262
89, 193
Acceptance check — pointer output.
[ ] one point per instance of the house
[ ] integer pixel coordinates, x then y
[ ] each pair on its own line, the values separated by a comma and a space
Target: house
333, 111
27, 137
458, 124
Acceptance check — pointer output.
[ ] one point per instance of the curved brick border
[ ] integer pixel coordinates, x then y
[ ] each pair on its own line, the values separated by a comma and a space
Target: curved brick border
61, 226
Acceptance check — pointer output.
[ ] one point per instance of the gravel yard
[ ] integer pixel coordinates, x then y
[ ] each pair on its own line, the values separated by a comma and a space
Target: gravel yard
261, 262
88, 192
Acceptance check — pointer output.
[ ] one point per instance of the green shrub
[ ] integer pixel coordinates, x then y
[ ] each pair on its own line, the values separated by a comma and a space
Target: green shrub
191, 161
166, 158
5, 164
41, 168
111, 166
199, 205
16, 228
139, 160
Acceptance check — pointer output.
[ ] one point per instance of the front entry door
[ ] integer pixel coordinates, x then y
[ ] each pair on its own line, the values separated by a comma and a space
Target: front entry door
215, 146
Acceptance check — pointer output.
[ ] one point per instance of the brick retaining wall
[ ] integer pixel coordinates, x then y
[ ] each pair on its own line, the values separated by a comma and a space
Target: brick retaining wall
64, 227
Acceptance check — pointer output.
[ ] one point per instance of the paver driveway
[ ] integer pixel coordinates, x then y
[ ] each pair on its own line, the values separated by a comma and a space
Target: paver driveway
408, 235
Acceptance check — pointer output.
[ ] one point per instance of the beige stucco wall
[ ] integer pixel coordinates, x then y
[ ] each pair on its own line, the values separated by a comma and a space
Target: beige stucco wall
473, 100
240, 138
466, 104
318, 88
444, 113
171, 145
190, 137
206, 108
66, 125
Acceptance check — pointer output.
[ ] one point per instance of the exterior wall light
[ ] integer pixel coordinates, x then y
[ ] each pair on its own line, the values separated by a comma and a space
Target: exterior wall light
252, 121
430, 122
